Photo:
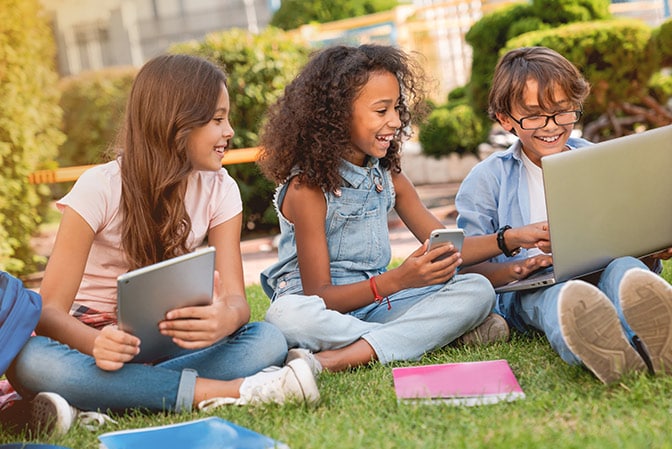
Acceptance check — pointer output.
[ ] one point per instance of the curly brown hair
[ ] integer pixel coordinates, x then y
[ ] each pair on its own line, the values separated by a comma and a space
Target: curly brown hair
309, 126
171, 95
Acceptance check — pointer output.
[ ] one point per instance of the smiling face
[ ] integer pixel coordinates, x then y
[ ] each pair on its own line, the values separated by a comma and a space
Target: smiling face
541, 142
375, 118
206, 144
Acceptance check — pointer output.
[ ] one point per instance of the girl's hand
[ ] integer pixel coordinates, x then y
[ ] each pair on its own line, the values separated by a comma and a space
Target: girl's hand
520, 269
534, 235
200, 326
113, 347
424, 268
197, 327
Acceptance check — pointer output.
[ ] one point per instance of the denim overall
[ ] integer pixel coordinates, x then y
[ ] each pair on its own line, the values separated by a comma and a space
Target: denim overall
421, 319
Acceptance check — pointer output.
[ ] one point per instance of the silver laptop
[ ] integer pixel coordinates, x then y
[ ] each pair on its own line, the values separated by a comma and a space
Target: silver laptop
146, 294
605, 201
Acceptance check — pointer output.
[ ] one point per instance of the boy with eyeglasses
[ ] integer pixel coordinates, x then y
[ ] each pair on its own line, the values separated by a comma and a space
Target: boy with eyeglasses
616, 322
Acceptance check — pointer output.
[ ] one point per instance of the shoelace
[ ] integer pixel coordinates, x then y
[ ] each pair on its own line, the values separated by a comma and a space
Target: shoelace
93, 420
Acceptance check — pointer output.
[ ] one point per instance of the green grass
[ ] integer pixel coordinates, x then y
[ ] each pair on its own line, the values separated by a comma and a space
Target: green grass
565, 407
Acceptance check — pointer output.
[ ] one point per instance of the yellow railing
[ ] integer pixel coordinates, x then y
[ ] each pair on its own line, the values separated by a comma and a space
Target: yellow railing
65, 174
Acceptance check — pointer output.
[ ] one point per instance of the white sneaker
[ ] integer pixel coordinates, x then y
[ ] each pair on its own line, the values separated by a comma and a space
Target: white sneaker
646, 299
292, 383
51, 413
592, 330
306, 356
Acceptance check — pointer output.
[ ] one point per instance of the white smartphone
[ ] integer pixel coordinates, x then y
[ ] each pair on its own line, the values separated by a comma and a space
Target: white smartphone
441, 236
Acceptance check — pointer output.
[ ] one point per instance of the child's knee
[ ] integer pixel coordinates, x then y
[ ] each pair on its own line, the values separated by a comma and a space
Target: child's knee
481, 290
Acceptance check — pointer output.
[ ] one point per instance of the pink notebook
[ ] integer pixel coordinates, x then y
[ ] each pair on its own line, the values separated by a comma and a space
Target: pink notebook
467, 383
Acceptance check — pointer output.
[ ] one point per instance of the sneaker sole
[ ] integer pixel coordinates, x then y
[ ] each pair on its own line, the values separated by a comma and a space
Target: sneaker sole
306, 380
47, 414
646, 300
592, 330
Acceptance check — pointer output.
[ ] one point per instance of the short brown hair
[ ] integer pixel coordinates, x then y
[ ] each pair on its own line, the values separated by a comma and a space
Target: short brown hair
547, 67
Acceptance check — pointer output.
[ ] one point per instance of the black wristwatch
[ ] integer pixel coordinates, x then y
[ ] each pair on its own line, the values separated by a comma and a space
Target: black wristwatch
502, 244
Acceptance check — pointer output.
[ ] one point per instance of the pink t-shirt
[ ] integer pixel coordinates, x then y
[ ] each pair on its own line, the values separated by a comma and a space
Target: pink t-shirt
211, 199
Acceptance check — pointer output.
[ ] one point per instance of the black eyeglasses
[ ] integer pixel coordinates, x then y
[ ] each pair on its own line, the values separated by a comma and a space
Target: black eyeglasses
540, 121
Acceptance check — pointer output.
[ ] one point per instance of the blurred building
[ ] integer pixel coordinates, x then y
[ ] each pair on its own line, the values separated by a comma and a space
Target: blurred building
92, 34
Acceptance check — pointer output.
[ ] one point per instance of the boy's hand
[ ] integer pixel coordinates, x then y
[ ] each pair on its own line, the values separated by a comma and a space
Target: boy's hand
663, 255
534, 235
114, 347
520, 269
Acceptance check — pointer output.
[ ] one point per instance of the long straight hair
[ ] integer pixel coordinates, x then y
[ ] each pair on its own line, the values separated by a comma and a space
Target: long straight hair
171, 95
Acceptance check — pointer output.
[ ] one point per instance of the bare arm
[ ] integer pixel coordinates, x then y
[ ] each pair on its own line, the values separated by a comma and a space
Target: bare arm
111, 348
61, 281
305, 207
475, 249
483, 247
504, 272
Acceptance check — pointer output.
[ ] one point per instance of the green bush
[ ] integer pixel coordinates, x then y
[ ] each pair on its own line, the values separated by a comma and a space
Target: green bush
492, 32
558, 12
294, 13
660, 86
29, 134
486, 37
259, 67
661, 43
614, 55
457, 129
93, 106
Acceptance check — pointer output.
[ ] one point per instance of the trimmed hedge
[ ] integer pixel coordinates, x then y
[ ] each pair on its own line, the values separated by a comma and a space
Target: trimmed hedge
93, 105
29, 134
294, 13
661, 43
614, 55
457, 128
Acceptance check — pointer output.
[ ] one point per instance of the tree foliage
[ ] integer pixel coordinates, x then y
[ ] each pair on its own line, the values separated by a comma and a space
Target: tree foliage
294, 13
29, 120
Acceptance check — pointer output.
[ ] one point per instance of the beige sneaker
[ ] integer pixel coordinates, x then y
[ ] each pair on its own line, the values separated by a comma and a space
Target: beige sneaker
646, 300
494, 328
51, 413
292, 383
592, 330
306, 356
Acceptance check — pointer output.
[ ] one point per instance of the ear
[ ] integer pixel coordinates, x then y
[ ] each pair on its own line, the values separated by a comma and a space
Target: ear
505, 121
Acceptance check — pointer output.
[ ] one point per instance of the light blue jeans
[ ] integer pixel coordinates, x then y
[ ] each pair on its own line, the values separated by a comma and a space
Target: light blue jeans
421, 319
47, 365
538, 309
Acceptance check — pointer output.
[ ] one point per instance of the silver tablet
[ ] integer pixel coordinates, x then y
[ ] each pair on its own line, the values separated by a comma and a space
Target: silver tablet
145, 295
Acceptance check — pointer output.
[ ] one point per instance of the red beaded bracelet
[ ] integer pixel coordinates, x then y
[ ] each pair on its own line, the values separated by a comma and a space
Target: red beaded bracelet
376, 296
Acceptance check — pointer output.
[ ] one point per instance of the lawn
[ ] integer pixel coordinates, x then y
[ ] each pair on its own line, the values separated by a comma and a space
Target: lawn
565, 407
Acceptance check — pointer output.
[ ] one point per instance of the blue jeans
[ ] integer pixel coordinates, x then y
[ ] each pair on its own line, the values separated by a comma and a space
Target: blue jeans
421, 319
538, 309
47, 365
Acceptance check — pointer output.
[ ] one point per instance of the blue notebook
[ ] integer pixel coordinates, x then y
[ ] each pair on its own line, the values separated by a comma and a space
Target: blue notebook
208, 433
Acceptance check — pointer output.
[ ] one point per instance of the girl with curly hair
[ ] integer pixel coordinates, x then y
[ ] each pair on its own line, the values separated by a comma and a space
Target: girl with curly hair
162, 197
332, 142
